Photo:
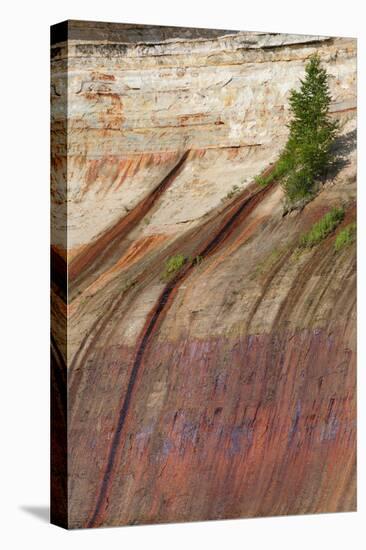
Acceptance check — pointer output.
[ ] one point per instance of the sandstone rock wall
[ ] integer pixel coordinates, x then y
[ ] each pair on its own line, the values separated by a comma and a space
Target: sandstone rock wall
228, 391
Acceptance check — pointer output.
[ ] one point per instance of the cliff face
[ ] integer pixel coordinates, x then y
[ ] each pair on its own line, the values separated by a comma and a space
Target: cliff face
229, 389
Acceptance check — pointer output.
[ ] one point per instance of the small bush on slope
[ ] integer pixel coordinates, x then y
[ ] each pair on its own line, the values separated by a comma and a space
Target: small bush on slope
345, 237
281, 168
322, 228
173, 265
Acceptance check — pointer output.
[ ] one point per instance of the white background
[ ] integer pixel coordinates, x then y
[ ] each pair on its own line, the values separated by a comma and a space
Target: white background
24, 219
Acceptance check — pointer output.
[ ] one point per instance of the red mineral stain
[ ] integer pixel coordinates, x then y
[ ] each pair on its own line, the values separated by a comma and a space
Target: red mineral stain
97, 250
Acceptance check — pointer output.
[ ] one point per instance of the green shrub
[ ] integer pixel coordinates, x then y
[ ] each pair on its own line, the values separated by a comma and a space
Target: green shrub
322, 228
296, 185
282, 167
346, 236
173, 265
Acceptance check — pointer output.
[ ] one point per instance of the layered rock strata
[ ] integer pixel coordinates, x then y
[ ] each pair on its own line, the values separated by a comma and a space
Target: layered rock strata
227, 390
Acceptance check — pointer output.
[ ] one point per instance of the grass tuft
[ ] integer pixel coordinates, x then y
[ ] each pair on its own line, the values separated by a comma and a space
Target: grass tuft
173, 265
281, 168
345, 237
322, 228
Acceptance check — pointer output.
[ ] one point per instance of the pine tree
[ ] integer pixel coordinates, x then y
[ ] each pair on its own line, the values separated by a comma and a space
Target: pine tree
308, 151
307, 154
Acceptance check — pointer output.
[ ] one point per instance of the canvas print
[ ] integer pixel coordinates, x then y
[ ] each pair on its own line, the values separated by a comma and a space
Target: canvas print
203, 252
